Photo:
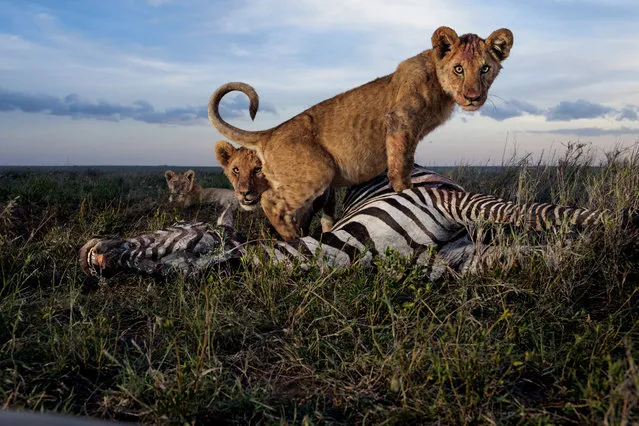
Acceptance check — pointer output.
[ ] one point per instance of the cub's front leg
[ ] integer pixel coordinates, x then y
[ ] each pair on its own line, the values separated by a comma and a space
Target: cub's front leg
400, 150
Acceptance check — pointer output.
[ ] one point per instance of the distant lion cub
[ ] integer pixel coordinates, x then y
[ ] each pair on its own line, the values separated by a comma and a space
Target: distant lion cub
187, 193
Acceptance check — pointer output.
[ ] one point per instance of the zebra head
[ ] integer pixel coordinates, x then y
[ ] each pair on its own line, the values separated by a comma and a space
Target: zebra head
185, 248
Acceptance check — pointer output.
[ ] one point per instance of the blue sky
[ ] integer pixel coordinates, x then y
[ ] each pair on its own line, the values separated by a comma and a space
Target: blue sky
127, 81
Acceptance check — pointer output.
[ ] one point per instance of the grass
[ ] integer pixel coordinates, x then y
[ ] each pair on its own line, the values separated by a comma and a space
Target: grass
552, 339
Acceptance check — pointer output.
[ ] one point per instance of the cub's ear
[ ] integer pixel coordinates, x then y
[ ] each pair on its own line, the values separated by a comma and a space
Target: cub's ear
223, 152
190, 176
169, 175
443, 40
500, 42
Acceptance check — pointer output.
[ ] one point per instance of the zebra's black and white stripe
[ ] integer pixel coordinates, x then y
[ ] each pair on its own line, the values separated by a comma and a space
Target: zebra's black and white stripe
432, 217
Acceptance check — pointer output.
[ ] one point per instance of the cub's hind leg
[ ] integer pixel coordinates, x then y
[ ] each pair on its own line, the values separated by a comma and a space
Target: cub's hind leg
281, 215
289, 214
299, 171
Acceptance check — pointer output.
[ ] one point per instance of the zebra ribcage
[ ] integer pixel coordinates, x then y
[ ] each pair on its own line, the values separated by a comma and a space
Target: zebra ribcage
408, 222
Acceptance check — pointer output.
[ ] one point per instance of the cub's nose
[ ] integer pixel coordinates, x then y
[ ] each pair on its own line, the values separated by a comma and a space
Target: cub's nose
472, 95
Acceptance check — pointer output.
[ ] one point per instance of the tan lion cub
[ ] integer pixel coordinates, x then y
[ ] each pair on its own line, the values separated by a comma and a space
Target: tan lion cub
187, 193
354, 136
244, 170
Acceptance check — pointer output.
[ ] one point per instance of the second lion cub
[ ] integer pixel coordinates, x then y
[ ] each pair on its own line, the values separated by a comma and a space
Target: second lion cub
244, 170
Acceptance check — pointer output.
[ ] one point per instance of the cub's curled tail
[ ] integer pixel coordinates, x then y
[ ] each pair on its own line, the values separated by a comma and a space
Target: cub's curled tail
243, 137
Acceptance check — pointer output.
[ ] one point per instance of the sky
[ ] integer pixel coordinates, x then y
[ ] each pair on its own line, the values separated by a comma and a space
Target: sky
126, 82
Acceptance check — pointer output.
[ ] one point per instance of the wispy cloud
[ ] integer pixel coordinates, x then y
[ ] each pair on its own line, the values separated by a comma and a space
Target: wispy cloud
628, 113
589, 131
240, 103
564, 111
580, 108
509, 109
77, 107
336, 15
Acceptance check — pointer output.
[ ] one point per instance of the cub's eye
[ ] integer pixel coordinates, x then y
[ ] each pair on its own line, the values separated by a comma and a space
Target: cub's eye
485, 69
257, 171
459, 69
236, 171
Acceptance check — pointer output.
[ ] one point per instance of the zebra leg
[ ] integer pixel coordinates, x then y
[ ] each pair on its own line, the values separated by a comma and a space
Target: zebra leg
183, 247
227, 218
465, 256
98, 256
107, 257
458, 256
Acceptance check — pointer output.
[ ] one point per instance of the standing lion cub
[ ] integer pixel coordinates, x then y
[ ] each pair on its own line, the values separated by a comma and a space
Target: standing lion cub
354, 136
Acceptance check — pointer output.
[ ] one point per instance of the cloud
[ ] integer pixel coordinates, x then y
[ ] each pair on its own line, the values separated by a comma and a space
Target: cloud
564, 111
158, 2
76, 107
340, 14
241, 103
628, 113
589, 131
580, 108
509, 109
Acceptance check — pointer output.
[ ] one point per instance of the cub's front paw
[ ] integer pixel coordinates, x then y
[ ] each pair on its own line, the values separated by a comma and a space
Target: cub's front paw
400, 183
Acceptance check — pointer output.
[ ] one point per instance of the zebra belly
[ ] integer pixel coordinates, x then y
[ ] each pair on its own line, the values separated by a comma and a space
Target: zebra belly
405, 222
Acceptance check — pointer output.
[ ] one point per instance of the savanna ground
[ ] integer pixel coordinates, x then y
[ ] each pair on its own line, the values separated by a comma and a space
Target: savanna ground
552, 339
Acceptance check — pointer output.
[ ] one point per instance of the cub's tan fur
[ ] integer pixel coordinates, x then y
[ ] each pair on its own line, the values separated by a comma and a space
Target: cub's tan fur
354, 136
187, 193
244, 170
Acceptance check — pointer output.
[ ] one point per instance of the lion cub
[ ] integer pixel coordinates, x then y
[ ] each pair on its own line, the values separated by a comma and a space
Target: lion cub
356, 135
187, 193
244, 170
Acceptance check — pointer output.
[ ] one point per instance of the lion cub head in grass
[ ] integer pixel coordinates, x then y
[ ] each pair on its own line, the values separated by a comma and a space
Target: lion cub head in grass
244, 169
466, 66
181, 185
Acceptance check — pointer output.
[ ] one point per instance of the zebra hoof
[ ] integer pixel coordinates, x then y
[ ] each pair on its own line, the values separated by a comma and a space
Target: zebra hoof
99, 257
86, 256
